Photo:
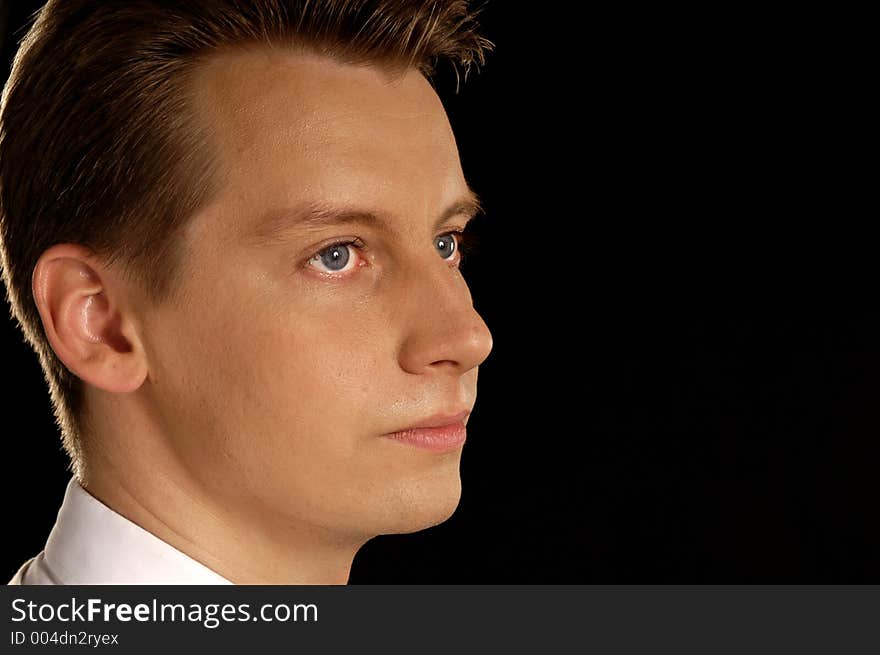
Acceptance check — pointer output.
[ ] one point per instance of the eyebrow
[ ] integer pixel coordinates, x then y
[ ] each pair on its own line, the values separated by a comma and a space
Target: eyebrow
315, 215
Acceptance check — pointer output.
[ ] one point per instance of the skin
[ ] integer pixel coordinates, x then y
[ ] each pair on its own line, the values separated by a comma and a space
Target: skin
242, 421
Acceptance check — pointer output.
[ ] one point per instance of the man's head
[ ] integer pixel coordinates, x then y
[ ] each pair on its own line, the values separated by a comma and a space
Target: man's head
170, 174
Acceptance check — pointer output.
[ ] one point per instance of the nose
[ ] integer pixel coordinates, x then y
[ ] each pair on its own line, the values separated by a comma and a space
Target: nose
443, 328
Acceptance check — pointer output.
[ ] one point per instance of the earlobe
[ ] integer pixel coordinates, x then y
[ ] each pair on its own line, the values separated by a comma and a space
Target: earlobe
78, 301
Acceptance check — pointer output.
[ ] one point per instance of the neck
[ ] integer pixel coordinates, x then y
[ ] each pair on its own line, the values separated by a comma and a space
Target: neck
241, 539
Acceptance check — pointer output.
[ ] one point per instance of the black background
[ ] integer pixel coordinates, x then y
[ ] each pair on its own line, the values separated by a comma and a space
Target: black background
684, 380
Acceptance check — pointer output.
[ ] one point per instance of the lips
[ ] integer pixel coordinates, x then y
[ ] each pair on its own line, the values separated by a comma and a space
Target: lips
438, 421
440, 433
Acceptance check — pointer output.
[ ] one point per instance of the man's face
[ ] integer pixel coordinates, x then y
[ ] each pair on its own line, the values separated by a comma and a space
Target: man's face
279, 365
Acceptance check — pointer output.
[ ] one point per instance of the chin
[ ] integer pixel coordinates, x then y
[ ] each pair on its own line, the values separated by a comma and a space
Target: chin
422, 506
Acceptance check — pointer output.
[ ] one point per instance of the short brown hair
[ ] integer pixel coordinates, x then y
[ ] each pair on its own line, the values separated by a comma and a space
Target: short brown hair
99, 144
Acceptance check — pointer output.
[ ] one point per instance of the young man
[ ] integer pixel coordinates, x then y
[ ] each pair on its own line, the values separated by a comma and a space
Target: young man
231, 233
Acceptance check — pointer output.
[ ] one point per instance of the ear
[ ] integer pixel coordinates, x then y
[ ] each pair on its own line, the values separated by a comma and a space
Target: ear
81, 305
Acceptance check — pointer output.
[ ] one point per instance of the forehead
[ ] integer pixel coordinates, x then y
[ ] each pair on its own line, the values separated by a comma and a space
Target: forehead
288, 124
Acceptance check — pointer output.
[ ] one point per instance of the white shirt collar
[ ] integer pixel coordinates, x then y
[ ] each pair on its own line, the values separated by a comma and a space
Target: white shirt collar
92, 544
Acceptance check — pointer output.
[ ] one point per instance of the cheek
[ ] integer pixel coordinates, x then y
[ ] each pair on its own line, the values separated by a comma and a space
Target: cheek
300, 411
288, 369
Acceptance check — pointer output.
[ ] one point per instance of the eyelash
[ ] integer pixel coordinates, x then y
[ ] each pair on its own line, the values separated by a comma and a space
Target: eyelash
466, 243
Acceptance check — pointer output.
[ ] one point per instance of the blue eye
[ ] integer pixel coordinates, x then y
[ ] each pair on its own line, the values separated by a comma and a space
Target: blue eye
334, 258
446, 245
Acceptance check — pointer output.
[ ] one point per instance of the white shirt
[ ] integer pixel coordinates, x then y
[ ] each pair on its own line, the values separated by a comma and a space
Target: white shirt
92, 544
